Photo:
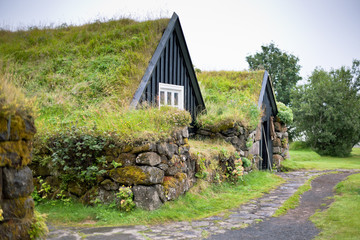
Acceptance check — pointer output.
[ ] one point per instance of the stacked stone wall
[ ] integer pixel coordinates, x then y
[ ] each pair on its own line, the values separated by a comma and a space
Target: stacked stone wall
156, 172
16, 182
280, 144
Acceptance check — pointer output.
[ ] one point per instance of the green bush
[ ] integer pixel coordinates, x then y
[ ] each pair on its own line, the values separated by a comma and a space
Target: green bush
284, 113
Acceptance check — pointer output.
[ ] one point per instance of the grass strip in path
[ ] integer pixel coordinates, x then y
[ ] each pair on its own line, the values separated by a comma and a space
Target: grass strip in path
342, 219
193, 205
294, 200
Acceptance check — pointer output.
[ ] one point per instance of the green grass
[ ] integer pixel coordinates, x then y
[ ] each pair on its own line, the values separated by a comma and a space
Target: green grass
342, 219
230, 97
212, 200
308, 159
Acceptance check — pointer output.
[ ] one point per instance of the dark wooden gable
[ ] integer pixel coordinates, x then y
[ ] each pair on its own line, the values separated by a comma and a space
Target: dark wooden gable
267, 103
171, 64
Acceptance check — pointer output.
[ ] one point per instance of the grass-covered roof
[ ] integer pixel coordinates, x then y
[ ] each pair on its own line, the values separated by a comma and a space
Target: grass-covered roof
86, 74
230, 97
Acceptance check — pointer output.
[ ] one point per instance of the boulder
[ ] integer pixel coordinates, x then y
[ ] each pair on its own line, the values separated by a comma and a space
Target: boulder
155, 175
136, 175
14, 153
277, 150
277, 142
4, 129
175, 186
146, 197
108, 185
277, 158
15, 229
76, 189
144, 148
17, 208
148, 158
126, 159
21, 128
17, 183
278, 127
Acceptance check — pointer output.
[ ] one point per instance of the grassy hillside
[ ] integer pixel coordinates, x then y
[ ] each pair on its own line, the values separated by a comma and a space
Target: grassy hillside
230, 97
86, 75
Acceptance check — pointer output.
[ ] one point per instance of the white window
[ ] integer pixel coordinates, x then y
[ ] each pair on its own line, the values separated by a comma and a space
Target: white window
171, 95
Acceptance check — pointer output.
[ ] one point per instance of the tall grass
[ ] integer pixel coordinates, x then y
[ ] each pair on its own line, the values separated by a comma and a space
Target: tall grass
12, 99
230, 97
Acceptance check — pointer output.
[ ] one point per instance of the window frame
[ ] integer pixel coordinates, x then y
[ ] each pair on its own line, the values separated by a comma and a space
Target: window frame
171, 88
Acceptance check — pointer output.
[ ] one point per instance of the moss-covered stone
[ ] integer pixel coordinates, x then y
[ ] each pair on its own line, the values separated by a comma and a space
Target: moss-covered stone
89, 197
76, 189
108, 185
17, 208
17, 183
15, 153
130, 175
21, 129
15, 229
4, 134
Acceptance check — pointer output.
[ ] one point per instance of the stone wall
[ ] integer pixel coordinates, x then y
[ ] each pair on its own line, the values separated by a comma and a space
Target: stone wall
235, 134
156, 172
280, 143
16, 185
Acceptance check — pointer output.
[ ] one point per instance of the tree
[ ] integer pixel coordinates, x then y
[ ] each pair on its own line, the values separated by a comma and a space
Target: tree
327, 110
283, 69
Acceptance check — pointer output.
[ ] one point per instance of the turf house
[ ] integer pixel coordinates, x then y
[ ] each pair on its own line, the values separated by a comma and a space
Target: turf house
114, 104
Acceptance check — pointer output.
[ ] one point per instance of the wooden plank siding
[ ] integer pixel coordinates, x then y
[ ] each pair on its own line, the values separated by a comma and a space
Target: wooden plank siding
171, 64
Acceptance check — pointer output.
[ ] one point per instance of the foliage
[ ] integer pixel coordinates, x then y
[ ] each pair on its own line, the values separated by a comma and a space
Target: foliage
193, 205
327, 110
1, 216
299, 145
77, 154
284, 113
125, 199
246, 162
202, 173
230, 97
38, 229
307, 159
42, 193
283, 69
340, 220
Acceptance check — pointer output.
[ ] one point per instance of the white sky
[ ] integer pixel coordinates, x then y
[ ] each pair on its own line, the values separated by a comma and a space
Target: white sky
221, 33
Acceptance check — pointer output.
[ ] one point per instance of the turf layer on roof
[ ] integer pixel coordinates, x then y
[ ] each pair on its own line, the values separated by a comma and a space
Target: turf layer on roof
74, 68
230, 97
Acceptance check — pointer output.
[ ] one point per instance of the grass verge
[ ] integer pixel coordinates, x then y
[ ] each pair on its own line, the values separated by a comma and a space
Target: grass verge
341, 219
210, 201
308, 159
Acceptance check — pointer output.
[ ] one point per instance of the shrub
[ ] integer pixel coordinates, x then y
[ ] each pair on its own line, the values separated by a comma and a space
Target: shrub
327, 110
284, 113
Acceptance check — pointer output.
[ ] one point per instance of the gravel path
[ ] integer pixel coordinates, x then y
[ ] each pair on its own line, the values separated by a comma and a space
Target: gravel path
254, 215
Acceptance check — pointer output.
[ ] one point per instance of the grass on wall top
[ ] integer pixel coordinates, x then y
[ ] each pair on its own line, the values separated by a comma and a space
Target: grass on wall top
230, 97
13, 101
87, 75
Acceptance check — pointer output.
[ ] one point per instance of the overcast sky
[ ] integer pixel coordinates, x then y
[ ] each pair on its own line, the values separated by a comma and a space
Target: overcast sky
221, 33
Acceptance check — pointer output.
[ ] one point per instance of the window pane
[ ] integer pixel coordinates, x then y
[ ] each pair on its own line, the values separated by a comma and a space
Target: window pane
168, 98
162, 98
176, 99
